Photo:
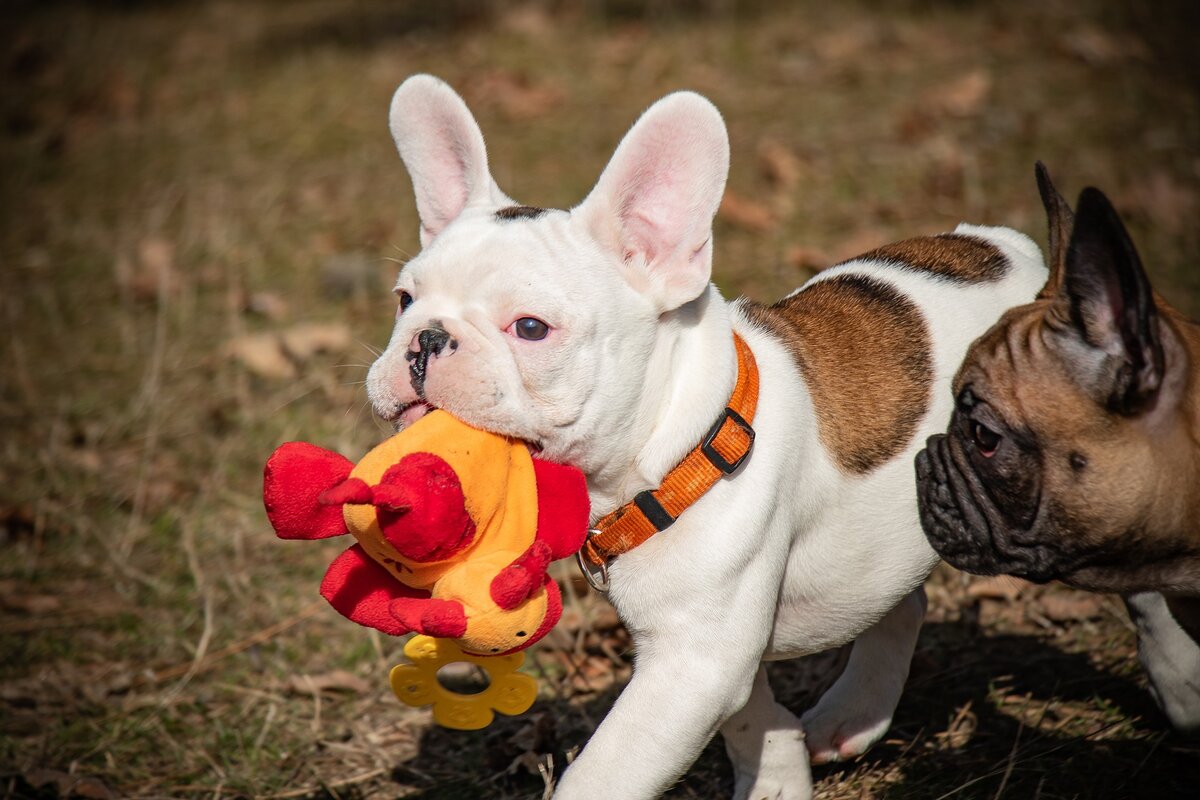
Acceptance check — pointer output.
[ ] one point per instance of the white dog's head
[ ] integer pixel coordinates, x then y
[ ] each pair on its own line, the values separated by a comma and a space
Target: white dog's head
542, 324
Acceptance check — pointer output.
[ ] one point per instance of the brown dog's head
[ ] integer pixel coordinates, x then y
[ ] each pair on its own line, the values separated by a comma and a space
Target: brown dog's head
1074, 451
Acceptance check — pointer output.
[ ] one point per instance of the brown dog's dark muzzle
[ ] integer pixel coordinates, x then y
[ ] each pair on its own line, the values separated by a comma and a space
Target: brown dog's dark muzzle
963, 526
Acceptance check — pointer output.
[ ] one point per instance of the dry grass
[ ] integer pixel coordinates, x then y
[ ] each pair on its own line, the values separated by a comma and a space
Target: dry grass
179, 176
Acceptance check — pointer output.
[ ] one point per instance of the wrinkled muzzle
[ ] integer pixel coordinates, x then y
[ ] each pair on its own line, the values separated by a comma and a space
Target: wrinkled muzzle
963, 525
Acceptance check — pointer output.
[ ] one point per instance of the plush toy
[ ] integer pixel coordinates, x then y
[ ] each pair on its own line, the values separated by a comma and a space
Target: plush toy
455, 530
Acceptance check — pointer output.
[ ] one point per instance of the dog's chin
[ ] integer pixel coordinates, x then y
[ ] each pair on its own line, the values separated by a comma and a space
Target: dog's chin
963, 530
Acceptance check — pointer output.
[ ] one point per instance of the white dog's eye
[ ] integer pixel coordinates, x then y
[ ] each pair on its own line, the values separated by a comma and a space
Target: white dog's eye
405, 301
530, 328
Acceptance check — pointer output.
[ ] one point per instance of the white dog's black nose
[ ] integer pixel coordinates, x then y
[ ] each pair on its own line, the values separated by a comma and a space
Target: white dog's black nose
427, 343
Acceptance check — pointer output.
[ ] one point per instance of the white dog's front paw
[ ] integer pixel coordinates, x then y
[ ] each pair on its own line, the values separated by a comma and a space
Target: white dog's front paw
836, 731
774, 787
779, 771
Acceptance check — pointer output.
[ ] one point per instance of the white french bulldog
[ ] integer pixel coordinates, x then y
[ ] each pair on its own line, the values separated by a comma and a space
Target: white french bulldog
596, 335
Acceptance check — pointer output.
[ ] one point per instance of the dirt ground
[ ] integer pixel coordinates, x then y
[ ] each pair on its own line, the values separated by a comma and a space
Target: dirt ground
202, 214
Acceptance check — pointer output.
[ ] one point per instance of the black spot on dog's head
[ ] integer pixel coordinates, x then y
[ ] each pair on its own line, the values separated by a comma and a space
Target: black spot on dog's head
519, 212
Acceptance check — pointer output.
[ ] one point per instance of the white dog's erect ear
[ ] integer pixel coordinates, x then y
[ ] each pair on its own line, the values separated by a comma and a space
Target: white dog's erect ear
442, 148
654, 204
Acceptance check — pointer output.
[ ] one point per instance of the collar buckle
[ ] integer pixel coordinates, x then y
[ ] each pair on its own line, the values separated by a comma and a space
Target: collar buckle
710, 451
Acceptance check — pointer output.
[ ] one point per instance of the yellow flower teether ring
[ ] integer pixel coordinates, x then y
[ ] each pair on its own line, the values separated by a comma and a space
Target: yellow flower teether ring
416, 684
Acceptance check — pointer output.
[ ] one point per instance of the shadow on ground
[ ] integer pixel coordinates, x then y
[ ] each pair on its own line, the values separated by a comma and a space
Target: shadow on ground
982, 717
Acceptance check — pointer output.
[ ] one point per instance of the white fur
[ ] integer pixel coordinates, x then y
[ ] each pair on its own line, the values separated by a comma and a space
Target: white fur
443, 150
1171, 658
788, 557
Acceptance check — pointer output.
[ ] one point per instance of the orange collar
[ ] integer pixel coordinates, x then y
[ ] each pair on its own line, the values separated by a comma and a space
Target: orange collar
723, 450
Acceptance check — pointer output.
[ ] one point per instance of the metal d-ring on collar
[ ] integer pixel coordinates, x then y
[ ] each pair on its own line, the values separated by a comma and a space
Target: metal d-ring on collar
595, 574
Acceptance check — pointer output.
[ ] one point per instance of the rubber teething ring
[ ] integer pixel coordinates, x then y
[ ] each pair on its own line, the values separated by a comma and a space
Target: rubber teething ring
416, 684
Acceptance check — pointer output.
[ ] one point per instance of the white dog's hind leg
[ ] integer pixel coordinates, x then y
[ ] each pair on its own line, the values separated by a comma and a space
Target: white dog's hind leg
858, 708
766, 745
1170, 657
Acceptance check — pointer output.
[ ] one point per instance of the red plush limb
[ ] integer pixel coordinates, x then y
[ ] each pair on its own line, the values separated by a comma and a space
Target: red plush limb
524, 576
563, 507
422, 510
351, 490
362, 590
296, 476
397, 499
441, 618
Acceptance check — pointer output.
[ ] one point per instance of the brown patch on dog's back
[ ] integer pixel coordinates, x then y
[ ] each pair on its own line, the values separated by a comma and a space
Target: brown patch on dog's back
962, 258
519, 212
864, 351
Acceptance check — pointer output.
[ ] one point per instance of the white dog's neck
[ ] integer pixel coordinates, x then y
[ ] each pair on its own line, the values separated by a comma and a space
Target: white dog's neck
689, 377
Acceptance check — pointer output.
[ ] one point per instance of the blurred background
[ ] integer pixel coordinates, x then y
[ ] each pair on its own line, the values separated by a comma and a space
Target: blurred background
201, 216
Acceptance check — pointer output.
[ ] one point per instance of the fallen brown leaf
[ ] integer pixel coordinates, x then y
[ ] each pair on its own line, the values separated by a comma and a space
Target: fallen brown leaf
339, 680
858, 243
802, 256
67, 785
515, 94
262, 354
1096, 46
150, 274
848, 43
997, 587
779, 164
267, 304
304, 340
1070, 606
962, 97
595, 674
1000, 612
742, 212
32, 604
604, 618
530, 21
623, 45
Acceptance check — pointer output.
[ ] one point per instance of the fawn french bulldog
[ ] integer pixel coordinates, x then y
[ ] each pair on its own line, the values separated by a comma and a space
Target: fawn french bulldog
791, 525
1074, 448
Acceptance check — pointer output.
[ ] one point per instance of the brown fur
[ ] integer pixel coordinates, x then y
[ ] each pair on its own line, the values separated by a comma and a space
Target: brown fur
1138, 497
864, 351
950, 255
1060, 219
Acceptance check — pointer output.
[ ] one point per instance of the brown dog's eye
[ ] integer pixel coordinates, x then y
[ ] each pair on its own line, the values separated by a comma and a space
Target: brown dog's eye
986, 439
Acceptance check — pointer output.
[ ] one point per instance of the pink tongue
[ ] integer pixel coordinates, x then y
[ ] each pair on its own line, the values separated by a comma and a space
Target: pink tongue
414, 413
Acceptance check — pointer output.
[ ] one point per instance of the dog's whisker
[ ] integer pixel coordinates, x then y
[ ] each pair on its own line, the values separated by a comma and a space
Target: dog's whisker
370, 348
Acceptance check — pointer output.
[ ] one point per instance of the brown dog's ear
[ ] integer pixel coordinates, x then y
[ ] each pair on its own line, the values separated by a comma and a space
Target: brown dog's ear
1107, 298
1061, 221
